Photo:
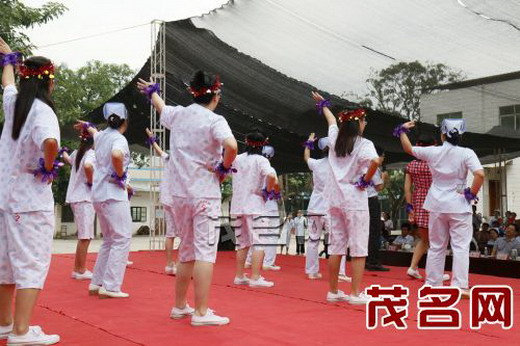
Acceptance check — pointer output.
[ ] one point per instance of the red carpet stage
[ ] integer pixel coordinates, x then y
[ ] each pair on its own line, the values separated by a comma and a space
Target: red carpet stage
294, 312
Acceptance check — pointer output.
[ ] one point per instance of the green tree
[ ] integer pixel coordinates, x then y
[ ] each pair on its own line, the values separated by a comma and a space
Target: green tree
16, 17
394, 192
78, 92
397, 89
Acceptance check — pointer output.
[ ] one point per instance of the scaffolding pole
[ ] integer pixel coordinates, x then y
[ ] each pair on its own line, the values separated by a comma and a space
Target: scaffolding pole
157, 75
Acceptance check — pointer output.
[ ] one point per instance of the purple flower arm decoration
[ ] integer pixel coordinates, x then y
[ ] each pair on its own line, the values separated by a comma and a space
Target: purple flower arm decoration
362, 184
11, 58
47, 176
409, 208
400, 130
270, 195
276, 195
266, 194
309, 144
320, 105
63, 150
151, 89
469, 195
84, 133
222, 171
151, 140
120, 180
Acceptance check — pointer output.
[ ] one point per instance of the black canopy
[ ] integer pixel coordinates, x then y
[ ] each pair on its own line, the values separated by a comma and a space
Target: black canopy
257, 96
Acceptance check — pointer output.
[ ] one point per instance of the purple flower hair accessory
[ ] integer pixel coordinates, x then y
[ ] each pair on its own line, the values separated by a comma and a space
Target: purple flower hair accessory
151, 140
362, 184
151, 89
409, 208
47, 176
222, 171
10, 58
400, 130
309, 144
120, 180
469, 195
320, 105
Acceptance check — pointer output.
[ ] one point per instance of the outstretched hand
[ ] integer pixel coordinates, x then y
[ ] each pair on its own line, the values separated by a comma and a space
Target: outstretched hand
317, 97
312, 137
4, 47
409, 125
142, 85
79, 125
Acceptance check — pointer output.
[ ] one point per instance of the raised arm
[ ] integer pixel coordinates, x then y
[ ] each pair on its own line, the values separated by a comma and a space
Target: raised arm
8, 71
81, 125
148, 89
405, 141
331, 119
155, 146
307, 151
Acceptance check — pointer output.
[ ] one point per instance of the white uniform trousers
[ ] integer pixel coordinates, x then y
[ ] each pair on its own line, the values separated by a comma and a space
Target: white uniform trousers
116, 226
316, 225
456, 228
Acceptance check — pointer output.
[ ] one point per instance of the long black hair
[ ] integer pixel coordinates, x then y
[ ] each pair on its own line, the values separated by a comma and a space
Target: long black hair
425, 141
114, 121
254, 140
455, 137
29, 90
84, 146
349, 131
202, 80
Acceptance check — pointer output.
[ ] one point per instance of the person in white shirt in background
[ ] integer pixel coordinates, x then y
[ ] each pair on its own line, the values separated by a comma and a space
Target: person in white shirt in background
202, 150
353, 161
273, 233
285, 236
166, 201
28, 148
79, 196
448, 201
110, 194
300, 226
248, 208
405, 237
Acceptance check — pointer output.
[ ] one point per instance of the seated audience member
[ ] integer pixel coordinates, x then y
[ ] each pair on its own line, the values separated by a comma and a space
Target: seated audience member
483, 236
494, 218
493, 236
508, 243
388, 225
405, 237
511, 219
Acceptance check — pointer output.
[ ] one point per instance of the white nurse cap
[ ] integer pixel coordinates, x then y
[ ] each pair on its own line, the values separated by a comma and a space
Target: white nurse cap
450, 126
268, 151
116, 108
323, 143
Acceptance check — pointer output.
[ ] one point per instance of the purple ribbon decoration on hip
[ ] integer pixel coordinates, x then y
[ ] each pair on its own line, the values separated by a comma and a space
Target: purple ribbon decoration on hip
469, 195
120, 180
362, 184
222, 171
47, 176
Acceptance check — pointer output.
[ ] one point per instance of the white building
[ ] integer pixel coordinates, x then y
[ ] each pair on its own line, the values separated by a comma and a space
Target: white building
489, 105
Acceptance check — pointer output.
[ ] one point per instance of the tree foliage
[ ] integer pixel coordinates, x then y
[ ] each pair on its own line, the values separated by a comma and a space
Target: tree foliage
16, 18
397, 88
394, 192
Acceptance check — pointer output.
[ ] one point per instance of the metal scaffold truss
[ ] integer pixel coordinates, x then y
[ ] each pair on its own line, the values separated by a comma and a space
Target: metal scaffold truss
158, 75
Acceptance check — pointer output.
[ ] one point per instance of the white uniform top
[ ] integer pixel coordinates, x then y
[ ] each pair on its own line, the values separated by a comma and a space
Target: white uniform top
449, 165
400, 240
345, 171
248, 182
318, 204
271, 205
377, 179
78, 190
196, 137
299, 224
103, 187
21, 191
165, 196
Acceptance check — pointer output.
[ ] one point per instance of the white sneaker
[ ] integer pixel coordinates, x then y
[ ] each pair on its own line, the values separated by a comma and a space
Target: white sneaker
414, 273
93, 290
344, 278
337, 297
362, 299
129, 263
445, 277
35, 336
171, 270
314, 276
210, 319
241, 281
177, 313
273, 267
5, 331
103, 294
87, 275
261, 282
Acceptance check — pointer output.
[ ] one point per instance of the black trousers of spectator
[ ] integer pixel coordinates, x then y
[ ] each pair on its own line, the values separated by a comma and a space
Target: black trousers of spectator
374, 237
300, 245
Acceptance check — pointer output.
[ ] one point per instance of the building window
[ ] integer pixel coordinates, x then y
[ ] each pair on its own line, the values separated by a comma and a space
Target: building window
510, 117
138, 214
66, 213
453, 115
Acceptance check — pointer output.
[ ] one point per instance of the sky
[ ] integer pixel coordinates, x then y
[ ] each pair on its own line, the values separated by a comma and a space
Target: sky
91, 17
